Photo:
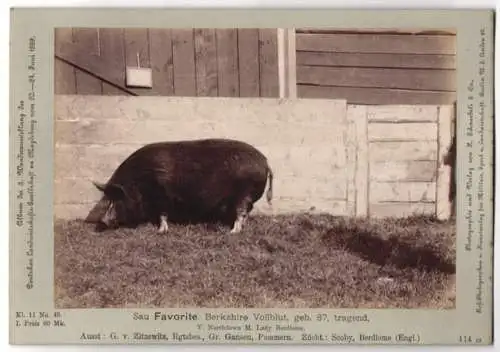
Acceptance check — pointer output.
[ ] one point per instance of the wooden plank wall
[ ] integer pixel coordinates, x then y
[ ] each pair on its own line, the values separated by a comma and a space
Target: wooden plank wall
303, 140
185, 62
360, 160
401, 166
377, 67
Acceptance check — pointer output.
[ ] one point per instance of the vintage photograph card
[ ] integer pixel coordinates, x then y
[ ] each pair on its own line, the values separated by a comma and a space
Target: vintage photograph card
251, 176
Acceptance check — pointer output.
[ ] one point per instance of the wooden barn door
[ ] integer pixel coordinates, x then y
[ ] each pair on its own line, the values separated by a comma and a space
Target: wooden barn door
400, 87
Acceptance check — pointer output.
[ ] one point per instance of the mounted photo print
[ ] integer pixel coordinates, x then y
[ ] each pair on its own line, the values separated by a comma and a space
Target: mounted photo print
198, 177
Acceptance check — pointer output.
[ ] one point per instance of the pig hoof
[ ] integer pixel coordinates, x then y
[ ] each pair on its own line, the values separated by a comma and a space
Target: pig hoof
162, 230
238, 226
235, 229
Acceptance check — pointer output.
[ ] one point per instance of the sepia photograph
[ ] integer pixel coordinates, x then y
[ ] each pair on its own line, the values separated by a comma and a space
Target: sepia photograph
254, 168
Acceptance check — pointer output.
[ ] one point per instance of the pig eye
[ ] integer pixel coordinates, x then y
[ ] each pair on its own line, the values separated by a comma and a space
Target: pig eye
115, 192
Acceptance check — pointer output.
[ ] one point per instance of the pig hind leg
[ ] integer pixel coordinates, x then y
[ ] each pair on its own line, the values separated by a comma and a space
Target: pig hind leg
243, 208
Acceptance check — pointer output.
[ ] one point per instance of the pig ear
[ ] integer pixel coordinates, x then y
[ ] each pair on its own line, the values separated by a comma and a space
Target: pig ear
114, 191
100, 186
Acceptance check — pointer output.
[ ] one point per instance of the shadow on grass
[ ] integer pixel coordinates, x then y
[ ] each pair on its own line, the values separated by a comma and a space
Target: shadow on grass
394, 250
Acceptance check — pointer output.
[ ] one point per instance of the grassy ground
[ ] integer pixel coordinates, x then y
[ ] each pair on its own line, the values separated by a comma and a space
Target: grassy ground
285, 261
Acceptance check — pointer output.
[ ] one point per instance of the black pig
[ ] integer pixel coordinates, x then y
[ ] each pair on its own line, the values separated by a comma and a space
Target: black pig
201, 180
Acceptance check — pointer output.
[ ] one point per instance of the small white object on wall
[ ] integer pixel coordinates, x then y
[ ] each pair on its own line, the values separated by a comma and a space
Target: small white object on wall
140, 77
